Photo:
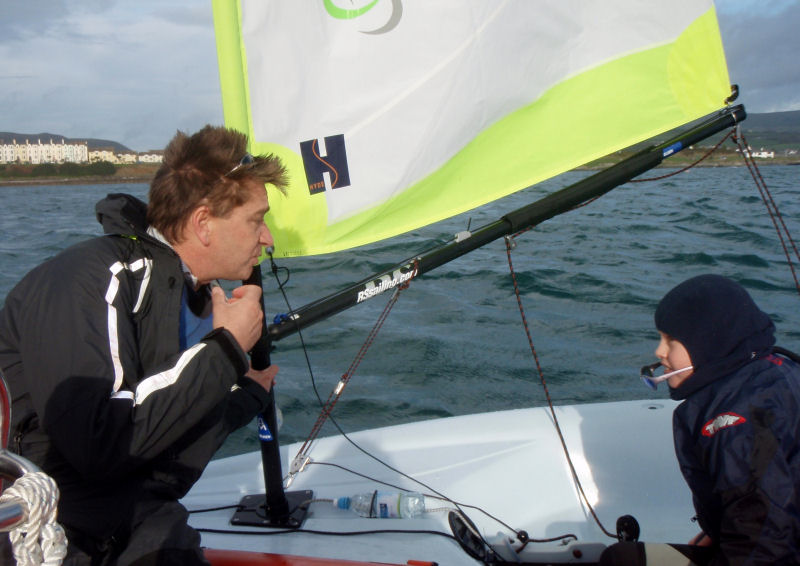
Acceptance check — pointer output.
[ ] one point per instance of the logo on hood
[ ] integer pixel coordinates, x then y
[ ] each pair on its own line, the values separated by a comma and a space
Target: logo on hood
719, 422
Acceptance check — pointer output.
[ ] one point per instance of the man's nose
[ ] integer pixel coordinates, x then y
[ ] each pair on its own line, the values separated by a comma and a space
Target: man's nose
266, 236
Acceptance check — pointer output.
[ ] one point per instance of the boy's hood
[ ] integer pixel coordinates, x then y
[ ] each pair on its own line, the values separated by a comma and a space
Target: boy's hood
719, 325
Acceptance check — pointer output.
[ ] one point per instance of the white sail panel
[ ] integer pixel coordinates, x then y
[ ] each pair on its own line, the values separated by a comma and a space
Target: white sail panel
368, 100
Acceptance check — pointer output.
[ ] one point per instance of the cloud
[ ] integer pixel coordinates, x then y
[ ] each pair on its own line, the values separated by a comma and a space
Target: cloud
29, 19
761, 44
135, 72
131, 72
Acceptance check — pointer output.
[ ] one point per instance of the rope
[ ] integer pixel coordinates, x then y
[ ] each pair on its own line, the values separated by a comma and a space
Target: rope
708, 153
40, 540
769, 202
337, 391
509, 247
772, 208
775, 216
766, 196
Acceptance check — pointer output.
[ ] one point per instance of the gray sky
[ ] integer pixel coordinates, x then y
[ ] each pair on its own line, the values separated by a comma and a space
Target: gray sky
136, 71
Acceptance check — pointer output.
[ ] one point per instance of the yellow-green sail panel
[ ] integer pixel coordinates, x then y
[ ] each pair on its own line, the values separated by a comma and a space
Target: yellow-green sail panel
635, 88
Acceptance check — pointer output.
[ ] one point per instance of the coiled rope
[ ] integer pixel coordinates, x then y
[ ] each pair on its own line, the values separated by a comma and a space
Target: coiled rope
40, 539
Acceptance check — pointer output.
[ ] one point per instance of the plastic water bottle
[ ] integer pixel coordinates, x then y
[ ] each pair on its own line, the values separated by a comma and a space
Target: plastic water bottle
384, 504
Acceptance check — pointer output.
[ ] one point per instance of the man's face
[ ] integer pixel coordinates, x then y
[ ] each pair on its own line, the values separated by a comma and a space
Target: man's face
236, 240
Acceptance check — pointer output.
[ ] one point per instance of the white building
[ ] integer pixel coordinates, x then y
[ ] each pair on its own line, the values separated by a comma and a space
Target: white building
762, 154
51, 151
152, 156
126, 157
58, 150
103, 154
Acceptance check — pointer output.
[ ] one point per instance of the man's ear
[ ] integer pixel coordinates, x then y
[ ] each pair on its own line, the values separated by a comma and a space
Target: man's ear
199, 224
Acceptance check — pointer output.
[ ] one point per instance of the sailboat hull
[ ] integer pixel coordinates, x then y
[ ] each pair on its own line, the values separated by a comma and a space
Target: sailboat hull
509, 464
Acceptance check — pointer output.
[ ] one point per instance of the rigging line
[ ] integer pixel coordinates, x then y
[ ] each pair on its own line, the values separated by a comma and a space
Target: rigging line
304, 348
327, 533
337, 391
707, 154
473, 530
509, 247
440, 495
274, 268
769, 203
308, 361
326, 412
459, 505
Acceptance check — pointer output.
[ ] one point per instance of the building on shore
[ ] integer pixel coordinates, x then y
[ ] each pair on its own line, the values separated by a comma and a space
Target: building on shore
124, 157
763, 154
59, 150
152, 156
103, 154
50, 151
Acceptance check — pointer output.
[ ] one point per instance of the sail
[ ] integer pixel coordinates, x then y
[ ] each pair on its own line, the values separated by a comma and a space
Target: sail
392, 115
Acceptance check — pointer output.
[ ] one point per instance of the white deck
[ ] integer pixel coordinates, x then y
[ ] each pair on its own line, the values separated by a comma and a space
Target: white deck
508, 463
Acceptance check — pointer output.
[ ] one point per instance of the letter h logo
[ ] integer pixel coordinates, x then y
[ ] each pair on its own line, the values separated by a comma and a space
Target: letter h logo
325, 167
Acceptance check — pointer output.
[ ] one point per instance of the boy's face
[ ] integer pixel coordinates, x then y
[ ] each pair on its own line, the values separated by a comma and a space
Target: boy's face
673, 356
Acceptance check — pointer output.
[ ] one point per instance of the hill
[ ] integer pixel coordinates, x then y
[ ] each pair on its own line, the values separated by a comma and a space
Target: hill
93, 143
774, 121
774, 131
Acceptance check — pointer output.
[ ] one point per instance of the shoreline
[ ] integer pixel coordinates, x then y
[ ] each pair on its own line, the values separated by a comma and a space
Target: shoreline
72, 181
595, 166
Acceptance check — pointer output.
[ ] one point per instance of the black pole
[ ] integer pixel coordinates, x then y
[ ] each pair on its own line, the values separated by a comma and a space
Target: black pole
277, 507
271, 509
552, 205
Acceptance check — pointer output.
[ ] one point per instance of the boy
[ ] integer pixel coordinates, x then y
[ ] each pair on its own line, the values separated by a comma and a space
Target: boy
736, 432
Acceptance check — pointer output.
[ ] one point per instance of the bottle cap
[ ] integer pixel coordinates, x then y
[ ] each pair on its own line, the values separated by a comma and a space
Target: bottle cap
342, 502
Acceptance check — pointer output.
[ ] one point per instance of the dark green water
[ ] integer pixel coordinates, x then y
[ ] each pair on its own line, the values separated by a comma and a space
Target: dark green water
454, 343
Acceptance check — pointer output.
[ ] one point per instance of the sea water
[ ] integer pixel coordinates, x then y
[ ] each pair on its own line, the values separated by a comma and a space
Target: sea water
454, 343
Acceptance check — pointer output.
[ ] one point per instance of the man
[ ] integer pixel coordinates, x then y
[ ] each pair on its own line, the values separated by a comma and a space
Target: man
127, 362
736, 432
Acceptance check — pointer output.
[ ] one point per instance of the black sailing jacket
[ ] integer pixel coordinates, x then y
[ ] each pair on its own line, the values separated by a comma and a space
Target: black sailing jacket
738, 445
104, 401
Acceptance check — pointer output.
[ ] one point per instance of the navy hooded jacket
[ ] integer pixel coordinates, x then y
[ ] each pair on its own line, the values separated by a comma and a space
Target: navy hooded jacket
737, 434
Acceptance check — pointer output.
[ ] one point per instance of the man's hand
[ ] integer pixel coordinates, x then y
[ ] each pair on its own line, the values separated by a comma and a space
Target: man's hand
240, 315
264, 377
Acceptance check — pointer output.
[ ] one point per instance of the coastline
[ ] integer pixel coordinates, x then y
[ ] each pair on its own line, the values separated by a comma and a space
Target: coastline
73, 181
724, 159
128, 173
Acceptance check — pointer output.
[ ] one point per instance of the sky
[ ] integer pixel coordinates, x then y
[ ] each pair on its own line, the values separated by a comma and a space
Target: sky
136, 71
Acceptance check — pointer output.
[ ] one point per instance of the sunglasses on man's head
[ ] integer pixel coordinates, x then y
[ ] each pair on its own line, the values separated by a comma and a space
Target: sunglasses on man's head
246, 160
